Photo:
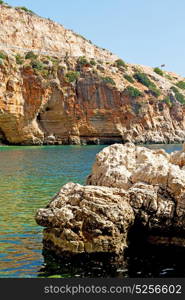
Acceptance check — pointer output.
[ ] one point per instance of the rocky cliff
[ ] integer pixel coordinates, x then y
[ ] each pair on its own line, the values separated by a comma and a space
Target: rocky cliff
56, 87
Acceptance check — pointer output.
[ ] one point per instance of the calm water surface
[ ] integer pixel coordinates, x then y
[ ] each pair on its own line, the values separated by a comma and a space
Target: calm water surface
29, 177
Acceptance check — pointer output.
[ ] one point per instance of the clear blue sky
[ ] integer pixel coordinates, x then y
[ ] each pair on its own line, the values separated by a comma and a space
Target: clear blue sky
149, 32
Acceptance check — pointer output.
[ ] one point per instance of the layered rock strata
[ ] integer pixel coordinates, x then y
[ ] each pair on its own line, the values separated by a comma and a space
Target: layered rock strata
130, 187
87, 219
56, 87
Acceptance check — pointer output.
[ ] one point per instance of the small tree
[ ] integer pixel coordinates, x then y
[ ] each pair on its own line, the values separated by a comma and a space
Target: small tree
92, 62
72, 76
174, 89
158, 71
25, 9
120, 63
129, 78
143, 78
38, 65
133, 92
19, 59
31, 55
2, 55
179, 97
181, 85
167, 101
108, 80
83, 60
154, 91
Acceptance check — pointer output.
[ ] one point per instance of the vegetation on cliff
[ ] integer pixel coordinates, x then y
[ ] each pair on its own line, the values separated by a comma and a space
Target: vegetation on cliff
25, 9
82, 95
129, 78
179, 97
158, 71
132, 92
181, 84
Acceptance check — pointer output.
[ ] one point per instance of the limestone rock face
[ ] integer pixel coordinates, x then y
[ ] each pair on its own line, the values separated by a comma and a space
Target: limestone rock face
52, 98
122, 165
155, 209
178, 158
130, 187
155, 184
29, 31
86, 219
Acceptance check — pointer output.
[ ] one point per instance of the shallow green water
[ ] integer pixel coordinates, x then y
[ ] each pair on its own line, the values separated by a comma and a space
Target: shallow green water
29, 177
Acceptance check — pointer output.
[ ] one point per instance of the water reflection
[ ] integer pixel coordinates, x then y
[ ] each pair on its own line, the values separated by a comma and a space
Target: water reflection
140, 260
29, 177
84, 265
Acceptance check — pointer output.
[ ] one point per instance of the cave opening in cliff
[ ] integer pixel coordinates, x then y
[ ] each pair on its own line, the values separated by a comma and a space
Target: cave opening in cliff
39, 117
3, 139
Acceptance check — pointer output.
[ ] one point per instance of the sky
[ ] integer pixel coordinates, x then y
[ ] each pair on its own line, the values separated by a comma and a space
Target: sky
147, 32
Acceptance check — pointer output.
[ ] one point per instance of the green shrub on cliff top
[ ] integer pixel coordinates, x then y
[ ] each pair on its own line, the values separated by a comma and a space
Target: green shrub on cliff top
181, 85
120, 63
72, 76
2, 55
25, 9
168, 76
158, 71
132, 92
179, 97
83, 60
1, 2
92, 62
129, 78
31, 55
174, 89
38, 65
167, 101
108, 80
155, 91
19, 59
143, 78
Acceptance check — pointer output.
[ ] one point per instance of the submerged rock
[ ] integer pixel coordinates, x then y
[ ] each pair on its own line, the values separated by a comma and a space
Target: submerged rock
130, 187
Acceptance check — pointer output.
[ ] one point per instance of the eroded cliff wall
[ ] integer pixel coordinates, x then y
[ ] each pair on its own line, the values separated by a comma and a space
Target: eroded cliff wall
70, 91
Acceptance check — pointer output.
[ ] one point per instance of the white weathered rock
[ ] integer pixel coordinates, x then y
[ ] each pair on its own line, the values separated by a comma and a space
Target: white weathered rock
87, 219
122, 165
178, 157
154, 180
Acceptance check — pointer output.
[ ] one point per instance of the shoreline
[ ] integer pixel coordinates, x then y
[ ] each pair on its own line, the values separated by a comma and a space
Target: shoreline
91, 144
34, 191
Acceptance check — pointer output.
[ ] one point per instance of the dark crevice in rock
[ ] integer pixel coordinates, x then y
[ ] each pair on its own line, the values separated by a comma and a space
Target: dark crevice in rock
3, 139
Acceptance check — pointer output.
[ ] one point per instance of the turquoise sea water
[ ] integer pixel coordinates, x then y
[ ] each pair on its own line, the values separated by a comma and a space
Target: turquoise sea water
29, 177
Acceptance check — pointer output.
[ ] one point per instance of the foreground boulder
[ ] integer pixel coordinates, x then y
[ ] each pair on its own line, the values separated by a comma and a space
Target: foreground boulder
130, 188
87, 219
